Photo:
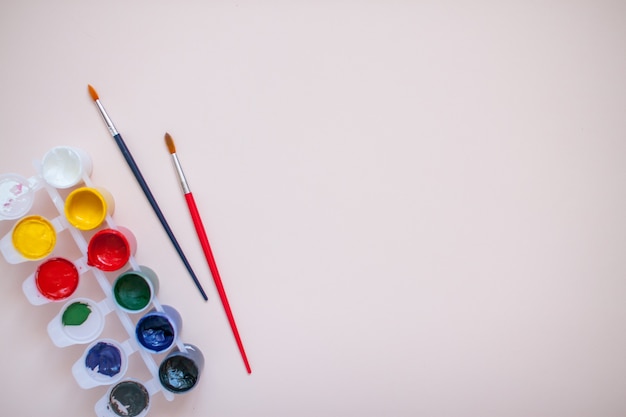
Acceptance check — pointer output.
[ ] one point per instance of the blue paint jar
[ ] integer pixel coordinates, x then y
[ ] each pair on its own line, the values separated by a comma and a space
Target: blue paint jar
157, 331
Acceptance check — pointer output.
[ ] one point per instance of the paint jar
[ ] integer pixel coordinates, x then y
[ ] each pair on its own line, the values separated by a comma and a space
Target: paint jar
17, 195
65, 166
104, 362
133, 291
80, 321
55, 279
110, 249
157, 331
32, 238
180, 371
87, 207
127, 398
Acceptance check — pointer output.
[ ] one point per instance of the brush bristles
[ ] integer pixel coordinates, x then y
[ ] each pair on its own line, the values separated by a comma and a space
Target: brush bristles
170, 143
92, 92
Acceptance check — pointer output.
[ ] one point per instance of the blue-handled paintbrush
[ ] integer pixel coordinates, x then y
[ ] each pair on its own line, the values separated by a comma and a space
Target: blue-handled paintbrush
144, 186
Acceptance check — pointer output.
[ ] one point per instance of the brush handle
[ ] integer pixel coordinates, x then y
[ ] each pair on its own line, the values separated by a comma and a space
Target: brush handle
206, 247
146, 190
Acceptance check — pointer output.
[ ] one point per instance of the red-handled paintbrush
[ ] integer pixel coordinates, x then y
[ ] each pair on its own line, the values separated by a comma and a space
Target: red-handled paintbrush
206, 247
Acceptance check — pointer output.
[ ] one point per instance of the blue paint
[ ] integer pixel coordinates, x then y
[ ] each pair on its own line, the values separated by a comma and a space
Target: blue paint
104, 358
155, 332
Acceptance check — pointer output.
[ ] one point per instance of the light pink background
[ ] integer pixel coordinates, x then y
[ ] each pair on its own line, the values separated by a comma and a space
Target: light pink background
417, 207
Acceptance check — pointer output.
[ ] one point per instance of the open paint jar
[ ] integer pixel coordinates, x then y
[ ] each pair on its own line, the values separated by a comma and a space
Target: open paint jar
56, 279
110, 249
87, 207
127, 398
65, 166
133, 291
180, 371
80, 321
17, 195
104, 362
157, 331
32, 238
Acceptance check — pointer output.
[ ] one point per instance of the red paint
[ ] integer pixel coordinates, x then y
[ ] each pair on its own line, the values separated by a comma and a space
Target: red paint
108, 250
56, 279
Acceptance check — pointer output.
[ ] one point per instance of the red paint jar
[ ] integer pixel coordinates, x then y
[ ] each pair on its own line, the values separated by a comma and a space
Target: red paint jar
56, 279
110, 249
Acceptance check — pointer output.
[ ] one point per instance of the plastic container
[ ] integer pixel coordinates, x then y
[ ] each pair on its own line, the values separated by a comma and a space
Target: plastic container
133, 291
32, 238
65, 166
128, 398
17, 195
80, 319
86, 208
158, 331
110, 249
56, 279
104, 362
180, 371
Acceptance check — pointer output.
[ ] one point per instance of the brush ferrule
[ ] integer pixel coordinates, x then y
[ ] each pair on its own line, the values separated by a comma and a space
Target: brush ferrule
107, 119
181, 174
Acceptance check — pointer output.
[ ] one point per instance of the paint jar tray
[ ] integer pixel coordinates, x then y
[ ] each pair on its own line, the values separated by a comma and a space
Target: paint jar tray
97, 308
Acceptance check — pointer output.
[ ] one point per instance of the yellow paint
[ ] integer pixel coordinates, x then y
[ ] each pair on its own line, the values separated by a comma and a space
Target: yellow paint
34, 237
85, 208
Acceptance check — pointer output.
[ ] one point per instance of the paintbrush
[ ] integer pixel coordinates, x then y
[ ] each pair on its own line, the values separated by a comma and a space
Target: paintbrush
206, 247
144, 186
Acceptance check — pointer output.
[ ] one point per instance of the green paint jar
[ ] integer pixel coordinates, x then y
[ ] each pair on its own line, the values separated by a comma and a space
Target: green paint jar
134, 290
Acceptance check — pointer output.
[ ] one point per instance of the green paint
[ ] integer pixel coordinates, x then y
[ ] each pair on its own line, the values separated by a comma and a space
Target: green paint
132, 292
76, 314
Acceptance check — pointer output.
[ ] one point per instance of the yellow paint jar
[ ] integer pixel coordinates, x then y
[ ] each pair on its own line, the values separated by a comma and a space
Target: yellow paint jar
34, 237
86, 208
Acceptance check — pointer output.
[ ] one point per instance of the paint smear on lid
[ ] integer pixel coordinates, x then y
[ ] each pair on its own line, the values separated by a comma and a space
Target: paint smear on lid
76, 314
16, 197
